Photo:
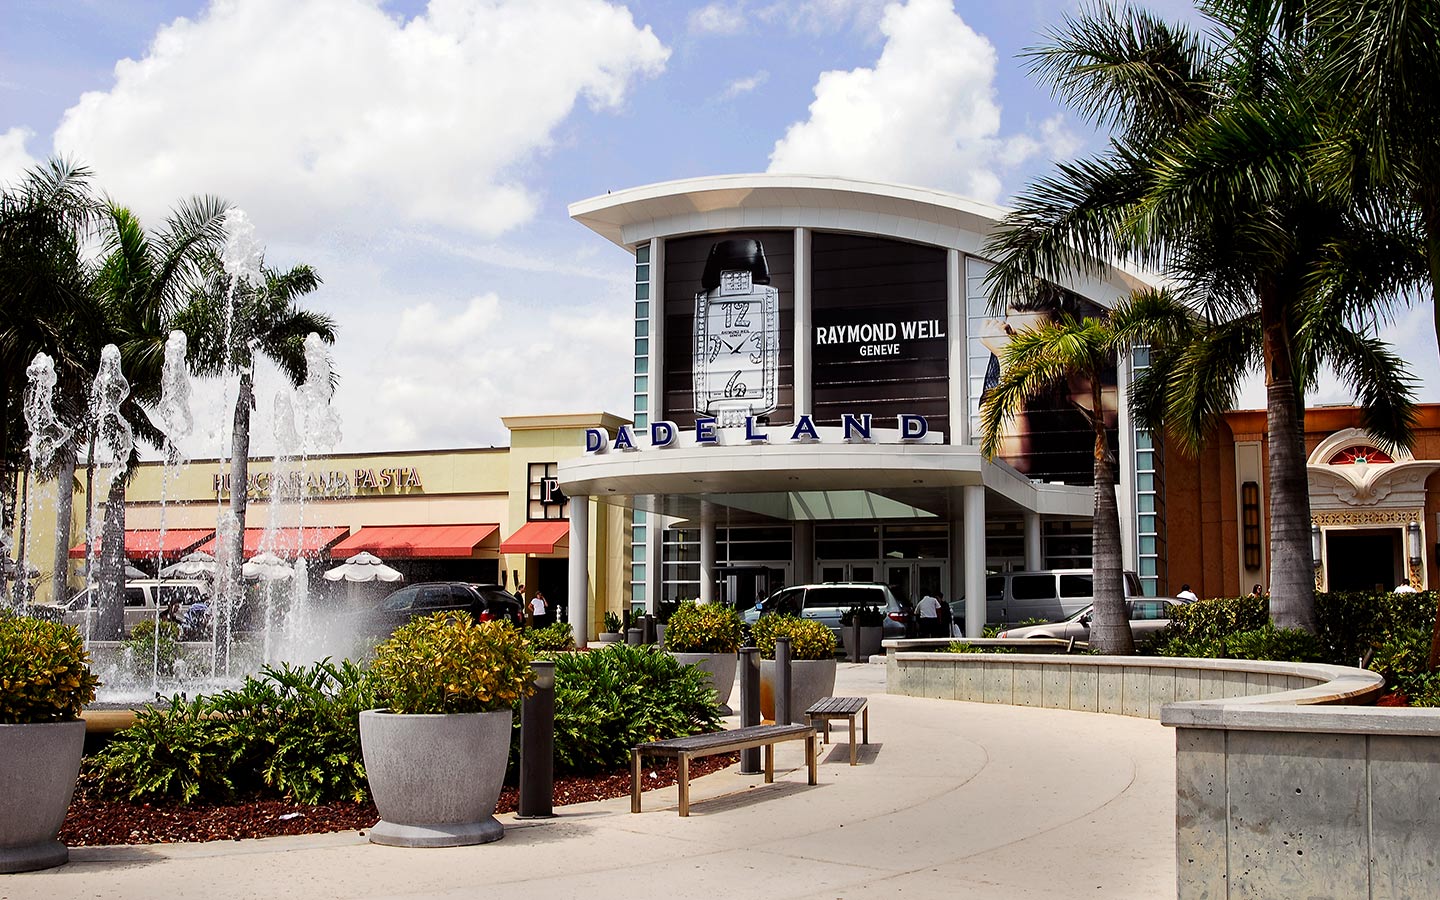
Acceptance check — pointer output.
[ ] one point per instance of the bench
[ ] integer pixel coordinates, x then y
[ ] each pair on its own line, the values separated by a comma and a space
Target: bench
698, 745
842, 708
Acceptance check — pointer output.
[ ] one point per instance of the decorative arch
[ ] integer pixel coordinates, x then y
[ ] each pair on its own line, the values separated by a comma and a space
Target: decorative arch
1359, 443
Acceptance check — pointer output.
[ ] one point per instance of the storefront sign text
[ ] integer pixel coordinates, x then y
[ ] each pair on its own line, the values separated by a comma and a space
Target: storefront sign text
854, 429
332, 483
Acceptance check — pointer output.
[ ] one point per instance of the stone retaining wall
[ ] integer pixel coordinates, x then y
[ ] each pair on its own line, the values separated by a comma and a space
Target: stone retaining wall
1279, 791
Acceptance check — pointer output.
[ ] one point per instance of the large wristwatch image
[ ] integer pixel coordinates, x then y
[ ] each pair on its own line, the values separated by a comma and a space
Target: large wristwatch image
737, 334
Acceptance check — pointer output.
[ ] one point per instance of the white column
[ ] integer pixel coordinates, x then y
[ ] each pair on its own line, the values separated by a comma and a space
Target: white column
707, 554
579, 570
1034, 554
801, 374
974, 553
959, 359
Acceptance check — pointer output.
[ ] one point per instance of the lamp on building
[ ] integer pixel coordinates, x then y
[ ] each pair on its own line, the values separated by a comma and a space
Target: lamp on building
1315, 543
1413, 530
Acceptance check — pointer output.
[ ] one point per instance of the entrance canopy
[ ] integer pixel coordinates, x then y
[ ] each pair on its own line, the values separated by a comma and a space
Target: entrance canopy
821, 482
416, 541
147, 543
287, 542
537, 537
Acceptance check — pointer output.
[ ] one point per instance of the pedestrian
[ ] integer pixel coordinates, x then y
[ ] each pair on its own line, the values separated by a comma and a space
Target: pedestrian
1257, 593
1187, 594
172, 612
928, 611
537, 609
946, 619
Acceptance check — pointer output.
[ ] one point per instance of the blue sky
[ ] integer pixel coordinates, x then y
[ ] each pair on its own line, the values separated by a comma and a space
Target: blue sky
422, 156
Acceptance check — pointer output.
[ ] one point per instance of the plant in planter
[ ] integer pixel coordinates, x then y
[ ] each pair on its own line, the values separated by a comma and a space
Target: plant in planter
708, 637
45, 681
870, 620
812, 666
436, 755
614, 629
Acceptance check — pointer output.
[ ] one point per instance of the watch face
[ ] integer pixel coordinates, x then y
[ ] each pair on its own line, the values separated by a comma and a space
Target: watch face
736, 347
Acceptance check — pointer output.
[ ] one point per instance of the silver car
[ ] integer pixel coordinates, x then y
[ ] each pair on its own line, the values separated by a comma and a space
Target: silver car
826, 602
1147, 616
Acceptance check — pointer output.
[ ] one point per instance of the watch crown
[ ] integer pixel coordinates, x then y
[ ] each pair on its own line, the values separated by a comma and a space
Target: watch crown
735, 255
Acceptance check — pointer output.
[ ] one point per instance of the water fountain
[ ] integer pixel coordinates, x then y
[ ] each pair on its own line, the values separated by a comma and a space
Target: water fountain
47, 436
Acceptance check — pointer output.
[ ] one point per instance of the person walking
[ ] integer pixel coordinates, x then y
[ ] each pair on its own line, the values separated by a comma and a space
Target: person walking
1187, 594
538, 609
928, 611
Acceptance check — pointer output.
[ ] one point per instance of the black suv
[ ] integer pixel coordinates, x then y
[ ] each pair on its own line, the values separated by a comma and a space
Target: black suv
486, 602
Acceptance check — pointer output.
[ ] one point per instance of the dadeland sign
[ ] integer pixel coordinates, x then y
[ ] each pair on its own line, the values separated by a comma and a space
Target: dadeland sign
706, 432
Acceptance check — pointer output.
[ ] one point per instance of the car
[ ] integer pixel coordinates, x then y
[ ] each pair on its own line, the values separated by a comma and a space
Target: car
1052, 594
828, 601
145, 599
484, 602
1147, 616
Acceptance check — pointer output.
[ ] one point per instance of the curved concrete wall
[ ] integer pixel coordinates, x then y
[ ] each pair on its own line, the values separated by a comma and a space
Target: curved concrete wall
1280, 791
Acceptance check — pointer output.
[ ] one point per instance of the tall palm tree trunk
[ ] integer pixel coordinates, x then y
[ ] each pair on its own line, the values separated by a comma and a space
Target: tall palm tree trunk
64, 512
232, 585
1109, 625
1292, 563
110, 581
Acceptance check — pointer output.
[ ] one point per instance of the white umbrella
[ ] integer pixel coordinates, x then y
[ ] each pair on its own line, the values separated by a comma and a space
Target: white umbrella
132, 572
363, 567
268, 567
191, 565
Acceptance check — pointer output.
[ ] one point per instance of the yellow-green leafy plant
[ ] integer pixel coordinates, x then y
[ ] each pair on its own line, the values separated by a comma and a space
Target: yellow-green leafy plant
808, 639
44, 672
445, 663
708, 628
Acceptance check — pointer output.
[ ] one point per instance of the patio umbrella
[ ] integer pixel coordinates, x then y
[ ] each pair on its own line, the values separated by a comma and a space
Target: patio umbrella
268, 567
363, 567
132, 573
191, 565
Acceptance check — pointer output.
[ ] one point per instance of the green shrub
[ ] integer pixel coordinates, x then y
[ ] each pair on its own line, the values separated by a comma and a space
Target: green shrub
865, 616
1404, 659
452, 664
1356, 624
552, 638
708, 628
1200, 629
142, 646
1269, 642
44, 671
613, 623
288, 732
608, 701
965, 647
809, 639
1426, 690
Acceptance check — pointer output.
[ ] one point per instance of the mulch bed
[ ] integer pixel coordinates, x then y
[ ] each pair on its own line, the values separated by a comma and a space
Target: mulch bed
93, 821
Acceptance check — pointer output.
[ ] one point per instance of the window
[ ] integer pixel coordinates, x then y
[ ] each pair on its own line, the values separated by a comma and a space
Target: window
842, 597
400, 600
134, 596
1032, 587
994, 589
1250, 523
1148, 610
547, 501
1072, 586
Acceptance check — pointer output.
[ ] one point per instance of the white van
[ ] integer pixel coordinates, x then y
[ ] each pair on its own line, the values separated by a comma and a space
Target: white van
144, 599
1049, 594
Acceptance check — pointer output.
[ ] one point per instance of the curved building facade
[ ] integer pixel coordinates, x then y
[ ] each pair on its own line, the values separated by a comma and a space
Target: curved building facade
810, 355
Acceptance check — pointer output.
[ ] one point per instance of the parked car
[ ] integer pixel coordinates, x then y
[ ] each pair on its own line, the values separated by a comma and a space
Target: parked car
1050, 594
1147, 616
144, 599
826, 602
484, 602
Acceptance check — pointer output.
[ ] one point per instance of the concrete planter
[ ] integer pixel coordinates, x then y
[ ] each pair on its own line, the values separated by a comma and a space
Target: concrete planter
435, 778
608, 637
810, 680
38, 767
870, 638
720, 666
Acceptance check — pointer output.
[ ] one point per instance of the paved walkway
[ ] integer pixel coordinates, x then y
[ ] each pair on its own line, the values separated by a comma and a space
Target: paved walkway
951, 800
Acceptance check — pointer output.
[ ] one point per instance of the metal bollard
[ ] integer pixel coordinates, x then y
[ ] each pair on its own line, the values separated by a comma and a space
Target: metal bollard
537, 746
648, 623
855, 639
634, 636
782, 681
750, 705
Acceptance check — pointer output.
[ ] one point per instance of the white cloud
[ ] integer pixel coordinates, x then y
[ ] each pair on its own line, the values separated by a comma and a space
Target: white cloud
718, 18
744, 85
823, 16
924, 114
312, 111
14, 160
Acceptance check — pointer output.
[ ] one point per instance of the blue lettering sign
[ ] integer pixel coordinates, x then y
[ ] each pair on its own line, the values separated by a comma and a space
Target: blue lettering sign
662, 434
624, 438
705, 430
751, 435
913, 428
596, 440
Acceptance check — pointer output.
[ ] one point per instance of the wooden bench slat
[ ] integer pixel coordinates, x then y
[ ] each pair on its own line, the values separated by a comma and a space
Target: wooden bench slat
724, 738
837, 706
720, 742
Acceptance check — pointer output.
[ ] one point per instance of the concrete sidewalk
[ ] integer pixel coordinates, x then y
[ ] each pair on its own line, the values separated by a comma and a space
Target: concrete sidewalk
950, 800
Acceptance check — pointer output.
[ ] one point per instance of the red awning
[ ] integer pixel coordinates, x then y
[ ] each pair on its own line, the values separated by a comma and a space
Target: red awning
415, 541
288, 541
145, 543
536, 537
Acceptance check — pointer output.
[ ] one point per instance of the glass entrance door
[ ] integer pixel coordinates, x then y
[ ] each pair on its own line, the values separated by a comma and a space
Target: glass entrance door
859, 570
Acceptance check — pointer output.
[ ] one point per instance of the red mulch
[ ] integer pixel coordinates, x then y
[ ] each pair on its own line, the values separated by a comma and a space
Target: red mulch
1395, 698
93, 821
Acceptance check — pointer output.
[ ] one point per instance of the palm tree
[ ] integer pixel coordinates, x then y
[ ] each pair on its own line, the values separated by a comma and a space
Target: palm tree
265, 321
1208, 180
1077, 352
142, 282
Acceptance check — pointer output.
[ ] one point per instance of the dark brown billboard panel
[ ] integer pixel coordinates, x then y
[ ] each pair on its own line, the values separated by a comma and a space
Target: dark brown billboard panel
729, 326
878, 317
